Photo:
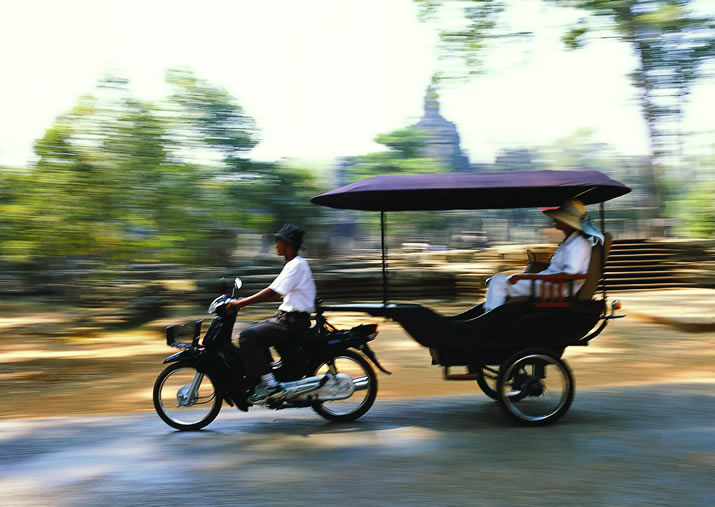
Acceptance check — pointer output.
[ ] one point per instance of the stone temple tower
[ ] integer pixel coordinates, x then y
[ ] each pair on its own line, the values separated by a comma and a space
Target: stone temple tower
442, 138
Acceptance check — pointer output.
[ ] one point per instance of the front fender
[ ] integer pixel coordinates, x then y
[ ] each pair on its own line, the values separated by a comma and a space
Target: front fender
372, 357
185, 355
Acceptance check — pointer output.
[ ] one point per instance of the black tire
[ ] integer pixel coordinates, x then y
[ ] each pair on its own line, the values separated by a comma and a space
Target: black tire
345, 410
487, 380
526, 391
170, 382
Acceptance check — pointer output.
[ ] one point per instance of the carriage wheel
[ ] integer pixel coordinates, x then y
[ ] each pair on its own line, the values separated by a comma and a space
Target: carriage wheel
487, 378
535, 387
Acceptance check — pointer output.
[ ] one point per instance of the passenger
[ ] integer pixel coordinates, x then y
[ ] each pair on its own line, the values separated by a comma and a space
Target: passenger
571, 257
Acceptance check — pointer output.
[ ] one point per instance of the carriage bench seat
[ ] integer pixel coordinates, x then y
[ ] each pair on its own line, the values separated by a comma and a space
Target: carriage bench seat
552, 288
552, 293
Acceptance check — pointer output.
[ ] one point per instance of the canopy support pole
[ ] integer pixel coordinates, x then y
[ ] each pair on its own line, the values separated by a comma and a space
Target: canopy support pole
384, 258
603, 256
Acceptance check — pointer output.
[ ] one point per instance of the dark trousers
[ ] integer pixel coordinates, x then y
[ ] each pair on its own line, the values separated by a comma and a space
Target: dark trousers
254, 342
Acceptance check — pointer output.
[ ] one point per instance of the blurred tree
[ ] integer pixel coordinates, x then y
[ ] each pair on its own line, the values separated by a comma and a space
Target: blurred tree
689, 200
273, 195
207, 122
404, 153
468, 27
90, 193
671, 43
205, 118
118, 180
519, 159
670, 40
697, 211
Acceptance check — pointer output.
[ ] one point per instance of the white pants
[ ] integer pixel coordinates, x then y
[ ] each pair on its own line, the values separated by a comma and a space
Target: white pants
499, 289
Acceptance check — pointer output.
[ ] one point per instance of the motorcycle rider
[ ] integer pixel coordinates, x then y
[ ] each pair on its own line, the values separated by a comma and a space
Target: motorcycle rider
296, 286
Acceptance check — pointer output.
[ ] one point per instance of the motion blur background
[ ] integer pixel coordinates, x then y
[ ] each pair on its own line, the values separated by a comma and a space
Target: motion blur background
146, 150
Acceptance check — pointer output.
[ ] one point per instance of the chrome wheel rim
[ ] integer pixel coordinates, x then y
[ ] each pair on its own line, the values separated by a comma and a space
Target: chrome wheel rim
179, 404
361, 382
535, 387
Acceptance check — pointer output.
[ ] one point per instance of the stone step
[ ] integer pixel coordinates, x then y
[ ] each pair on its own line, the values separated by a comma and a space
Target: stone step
639, 255
637, 248
643, 286
635, 276
634, 262
641, 279
656, 268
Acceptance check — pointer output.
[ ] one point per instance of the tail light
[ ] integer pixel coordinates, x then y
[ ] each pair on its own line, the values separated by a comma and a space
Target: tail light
370, 330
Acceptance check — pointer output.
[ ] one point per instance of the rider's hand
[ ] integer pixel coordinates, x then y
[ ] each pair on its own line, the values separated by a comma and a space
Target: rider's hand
234, 305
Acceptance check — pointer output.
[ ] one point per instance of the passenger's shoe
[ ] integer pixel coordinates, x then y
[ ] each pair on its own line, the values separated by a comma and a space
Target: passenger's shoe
262, 393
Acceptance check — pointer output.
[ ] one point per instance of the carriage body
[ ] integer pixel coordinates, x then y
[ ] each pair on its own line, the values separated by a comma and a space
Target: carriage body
510, 349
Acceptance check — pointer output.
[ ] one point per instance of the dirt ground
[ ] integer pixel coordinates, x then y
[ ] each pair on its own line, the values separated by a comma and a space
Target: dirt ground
113, 372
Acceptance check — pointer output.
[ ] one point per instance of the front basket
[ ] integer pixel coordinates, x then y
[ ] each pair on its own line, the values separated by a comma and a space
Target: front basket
191, 330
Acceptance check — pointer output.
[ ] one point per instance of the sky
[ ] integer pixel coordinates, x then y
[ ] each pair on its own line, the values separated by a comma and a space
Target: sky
321, 78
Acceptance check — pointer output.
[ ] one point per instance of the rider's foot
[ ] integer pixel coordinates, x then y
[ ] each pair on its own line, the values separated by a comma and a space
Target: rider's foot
262, 393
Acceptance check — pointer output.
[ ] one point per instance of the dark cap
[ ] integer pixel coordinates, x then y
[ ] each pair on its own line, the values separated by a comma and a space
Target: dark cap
293, 234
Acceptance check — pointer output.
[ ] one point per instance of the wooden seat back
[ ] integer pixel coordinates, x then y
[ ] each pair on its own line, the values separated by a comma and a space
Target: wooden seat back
553, 285
599, 256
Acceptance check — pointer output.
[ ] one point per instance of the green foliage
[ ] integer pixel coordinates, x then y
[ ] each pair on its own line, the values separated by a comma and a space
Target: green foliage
697, 211
405, 154
471, 25
689, 199
119, 180
671, 44
205, 117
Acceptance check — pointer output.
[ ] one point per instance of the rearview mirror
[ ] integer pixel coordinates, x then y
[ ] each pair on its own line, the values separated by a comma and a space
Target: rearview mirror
238, 283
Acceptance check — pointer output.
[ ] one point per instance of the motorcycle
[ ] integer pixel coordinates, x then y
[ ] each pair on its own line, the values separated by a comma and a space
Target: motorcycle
325, 369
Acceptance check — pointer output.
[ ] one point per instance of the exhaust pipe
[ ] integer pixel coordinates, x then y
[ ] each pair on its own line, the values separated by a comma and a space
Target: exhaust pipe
361, 383
306, 385
324, 388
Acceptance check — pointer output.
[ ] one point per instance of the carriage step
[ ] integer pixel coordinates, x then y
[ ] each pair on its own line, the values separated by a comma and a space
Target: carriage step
461, 376
458, 376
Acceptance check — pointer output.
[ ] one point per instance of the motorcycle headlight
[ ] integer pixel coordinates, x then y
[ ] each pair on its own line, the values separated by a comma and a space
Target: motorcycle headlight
221, 300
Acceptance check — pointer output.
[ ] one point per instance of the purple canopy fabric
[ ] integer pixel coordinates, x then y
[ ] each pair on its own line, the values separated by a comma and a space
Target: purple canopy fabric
443, 191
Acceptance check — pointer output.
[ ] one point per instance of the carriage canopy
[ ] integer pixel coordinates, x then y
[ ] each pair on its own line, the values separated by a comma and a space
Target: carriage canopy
496, 190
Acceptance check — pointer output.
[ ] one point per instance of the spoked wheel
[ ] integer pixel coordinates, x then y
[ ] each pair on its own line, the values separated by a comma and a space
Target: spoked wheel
487, 378
364, 381
184, 398
535, 387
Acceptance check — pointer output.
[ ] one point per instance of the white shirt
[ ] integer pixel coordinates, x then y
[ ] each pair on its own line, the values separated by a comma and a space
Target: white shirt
295, 283
571, 257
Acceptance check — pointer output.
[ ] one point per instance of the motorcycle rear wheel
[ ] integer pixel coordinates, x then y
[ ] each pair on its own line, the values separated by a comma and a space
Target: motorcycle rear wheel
359, 403
173, 403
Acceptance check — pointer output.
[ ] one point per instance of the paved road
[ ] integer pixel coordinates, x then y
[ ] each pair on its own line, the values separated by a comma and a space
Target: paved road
616, 446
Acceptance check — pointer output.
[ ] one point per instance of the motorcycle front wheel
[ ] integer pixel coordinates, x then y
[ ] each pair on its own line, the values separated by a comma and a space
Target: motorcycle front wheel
186, 399
364, 380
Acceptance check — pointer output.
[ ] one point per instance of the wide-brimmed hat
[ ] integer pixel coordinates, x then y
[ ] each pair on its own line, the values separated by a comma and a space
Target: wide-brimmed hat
291, 233
571, 213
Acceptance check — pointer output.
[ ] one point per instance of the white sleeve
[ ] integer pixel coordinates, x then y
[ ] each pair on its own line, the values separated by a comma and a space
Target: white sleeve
286, 280
577, 258
571, 257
